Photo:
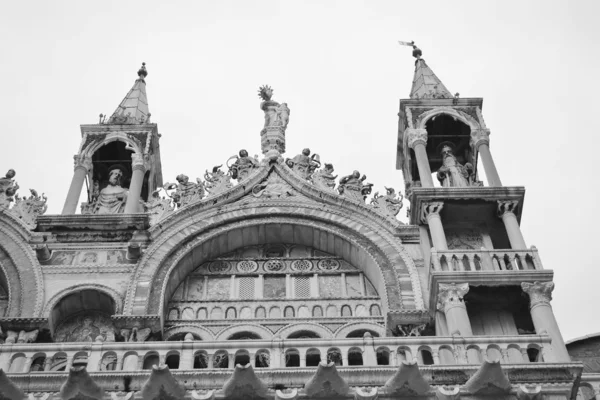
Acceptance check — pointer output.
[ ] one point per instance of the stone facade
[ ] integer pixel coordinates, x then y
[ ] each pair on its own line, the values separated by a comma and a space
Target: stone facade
271, 278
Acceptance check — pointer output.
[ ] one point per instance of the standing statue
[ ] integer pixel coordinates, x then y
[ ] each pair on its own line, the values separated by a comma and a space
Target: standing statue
283, 115
112, 198
304, 164
352, 187
243, 166
27, 209
217, 181
186, 192
452, 173
276, 115
324, 178
389, 205
8, 188
157, 207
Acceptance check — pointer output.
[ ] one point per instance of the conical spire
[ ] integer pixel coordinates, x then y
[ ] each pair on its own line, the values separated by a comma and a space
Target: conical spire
134, 107
426, 85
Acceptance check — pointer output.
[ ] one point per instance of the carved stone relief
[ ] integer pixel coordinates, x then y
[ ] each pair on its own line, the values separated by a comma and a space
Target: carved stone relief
109, 257
86, 328
465, 238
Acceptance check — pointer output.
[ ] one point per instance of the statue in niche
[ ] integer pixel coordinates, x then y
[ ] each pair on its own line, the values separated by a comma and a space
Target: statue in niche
8, 188
135, 334
112, 198
324, 178
390, 204
158, 207
243, 166
217, 181
272, 187
304, 164
27, 209
452, 173
352, 187
276, 115
87, 328
186, 192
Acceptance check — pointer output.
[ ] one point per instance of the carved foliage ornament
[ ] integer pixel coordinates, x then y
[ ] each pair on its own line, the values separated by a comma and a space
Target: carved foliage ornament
451, 295
539, 292
390, 204
479, 137
415, 136
430, 208
507, 206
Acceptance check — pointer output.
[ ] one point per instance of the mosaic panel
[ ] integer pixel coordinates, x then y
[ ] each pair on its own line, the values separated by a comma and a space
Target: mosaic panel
330, 286
86, 328
218, 288
353, 286
274, 287
110, 257
195, 288
247, 287
302, 286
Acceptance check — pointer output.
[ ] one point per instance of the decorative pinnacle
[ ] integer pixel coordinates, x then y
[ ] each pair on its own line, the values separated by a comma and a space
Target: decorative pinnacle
265, 92
417, 53
142, 73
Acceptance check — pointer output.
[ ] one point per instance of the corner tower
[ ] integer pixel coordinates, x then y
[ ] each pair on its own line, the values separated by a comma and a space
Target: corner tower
118, 159
479, 265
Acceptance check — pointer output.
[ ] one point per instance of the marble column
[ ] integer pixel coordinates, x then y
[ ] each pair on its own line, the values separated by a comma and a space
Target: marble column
450, 301
417, 140
430, 215
540, 295
480, 141
135, 187
506, 211
81, 168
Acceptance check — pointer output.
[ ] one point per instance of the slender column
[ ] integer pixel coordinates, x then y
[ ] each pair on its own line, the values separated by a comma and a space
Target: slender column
417, 140
135, 187
430, 215
450, 301
81, 168
480, 141
506, 211
540, 294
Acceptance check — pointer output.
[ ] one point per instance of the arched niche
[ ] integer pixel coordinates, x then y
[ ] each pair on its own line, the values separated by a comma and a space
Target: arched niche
115, 154
380, 267
82, 315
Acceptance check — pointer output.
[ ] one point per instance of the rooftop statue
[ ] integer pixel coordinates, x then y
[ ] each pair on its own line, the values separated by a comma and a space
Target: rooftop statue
304, 164
352, 187
217, 181
111, 199
324, 178
243, 166
186, 192
452, 173
27, 209
276, 115
157, 207
390, 204
273, 186
8, 188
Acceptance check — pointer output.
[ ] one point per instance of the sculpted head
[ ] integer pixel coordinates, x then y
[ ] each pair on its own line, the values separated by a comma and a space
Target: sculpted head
114, 177
181, 178
356, 174
11, 173
306, 152
243, 153
329, 167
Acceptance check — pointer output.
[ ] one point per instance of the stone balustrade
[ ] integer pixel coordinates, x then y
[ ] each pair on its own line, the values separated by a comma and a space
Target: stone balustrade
276, 353
485, 260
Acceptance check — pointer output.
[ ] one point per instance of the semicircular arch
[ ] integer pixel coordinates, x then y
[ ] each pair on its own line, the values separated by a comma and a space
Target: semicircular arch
345, 330
256, 329
112, 137
199, 331
311, 327
461, 116
55, 299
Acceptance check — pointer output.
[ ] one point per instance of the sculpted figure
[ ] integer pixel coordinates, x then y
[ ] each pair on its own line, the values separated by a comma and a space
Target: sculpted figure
112, 198
304, 164
8, 188
27, 209
389, 205
187, 192
274, 186
452, 173
158, 207
283, 115
324, 178
217, 181
243, 166
352, 186
276, 115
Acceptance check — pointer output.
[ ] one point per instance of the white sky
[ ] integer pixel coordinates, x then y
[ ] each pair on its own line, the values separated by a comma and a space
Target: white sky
342, 73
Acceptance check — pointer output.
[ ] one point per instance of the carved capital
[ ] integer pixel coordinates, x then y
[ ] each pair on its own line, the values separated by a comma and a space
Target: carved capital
507, 206
80, 161
479, 137
539, 292
415, 136
451, 294
138, 161
430, 208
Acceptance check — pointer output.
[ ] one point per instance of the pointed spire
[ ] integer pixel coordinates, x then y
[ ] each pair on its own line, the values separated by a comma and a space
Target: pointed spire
134, 107
426, 85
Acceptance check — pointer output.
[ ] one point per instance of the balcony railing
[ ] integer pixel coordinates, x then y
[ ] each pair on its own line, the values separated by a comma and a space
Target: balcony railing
277, 353
485, 260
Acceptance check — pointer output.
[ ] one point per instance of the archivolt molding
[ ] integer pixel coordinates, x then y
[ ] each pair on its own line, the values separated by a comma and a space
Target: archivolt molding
200, 331
84, 286
305, 326
259, 330
120, 136
462, 116
15, 238
346, 329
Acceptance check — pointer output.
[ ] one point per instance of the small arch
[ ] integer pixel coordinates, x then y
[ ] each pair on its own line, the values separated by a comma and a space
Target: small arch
319, 330
474, 355
359, 328
59, 362
275, 312
288, 312
303, 312
534, 353
260, 313
317, 312
248, 331
361, 311
244, 335
382, 354
355, 356
292, 358
358, 333
231, 313
221, 359
313, 357
201, 360
108, 361
245, 313
188, 313
262, 358
346, 311
80, 359
334, 355
242, 357
216, 313
332, 311
17, 363
173, 314
375, 310
172, 360
150, 359
303, 334
425, 356
130, 361
38, 363
179, 332
403, 353
493, 353
202, 313
446, 356
514, 354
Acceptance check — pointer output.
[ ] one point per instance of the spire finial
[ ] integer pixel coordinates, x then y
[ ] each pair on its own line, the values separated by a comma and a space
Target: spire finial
142, 73
417, 53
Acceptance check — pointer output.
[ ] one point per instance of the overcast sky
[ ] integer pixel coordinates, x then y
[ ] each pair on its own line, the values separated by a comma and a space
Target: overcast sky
342, 73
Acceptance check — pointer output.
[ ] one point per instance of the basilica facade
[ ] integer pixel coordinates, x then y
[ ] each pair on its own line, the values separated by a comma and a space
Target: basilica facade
275, 277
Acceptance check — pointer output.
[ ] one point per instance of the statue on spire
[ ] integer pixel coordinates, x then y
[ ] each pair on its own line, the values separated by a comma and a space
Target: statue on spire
276, 121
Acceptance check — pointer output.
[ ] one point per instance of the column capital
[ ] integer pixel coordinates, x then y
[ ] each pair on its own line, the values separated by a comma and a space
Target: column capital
430, 208
81, 161
416, 136
479, 137
507, 206
539, 292
451, 294
139, 161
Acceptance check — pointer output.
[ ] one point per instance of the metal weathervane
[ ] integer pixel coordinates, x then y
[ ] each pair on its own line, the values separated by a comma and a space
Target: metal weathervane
416, 51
